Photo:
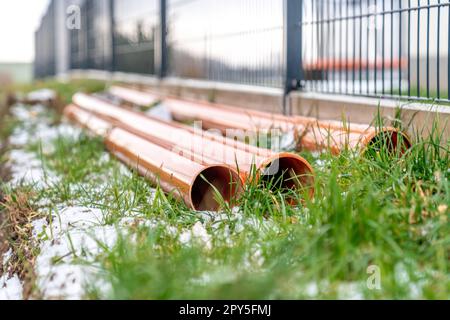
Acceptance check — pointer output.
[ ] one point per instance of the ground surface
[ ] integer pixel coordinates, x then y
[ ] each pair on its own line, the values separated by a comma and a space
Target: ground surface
78, 224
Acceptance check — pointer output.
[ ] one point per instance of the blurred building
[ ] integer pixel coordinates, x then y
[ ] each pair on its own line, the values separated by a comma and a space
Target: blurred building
15, 73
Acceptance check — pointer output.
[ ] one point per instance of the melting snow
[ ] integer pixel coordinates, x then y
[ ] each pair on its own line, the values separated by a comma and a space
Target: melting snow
25, 166
162, 112
351, 291
42, 95
197, 235
71, 238
10, 288
68, 249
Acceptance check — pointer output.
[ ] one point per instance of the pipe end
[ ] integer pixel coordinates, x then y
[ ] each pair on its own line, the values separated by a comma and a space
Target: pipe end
213, 186
287, 172
390, 139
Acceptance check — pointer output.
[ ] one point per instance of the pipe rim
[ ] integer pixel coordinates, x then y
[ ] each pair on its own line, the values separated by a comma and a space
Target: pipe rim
307, 171
229, 194
371, 139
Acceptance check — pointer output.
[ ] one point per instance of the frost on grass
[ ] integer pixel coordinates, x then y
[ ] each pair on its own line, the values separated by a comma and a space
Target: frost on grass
10, 286
72, 237
42, 95
69, 245
69, 238
198, 234
34, 128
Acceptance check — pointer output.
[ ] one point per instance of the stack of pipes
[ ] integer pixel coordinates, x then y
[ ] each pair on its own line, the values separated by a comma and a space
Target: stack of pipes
310, 134
201, 168
206, 169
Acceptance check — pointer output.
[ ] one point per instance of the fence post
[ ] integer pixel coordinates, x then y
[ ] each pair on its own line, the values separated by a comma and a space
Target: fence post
112, 22
161, 54
293, 15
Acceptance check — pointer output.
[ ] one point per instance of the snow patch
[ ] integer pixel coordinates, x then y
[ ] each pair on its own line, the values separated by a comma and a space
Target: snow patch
42, 95
27, 169
198, 235
69, 246
161, 112
350, 291
10, 288
25, 166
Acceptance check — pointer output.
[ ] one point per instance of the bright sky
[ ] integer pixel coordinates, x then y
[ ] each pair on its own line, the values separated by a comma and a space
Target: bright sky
18, 21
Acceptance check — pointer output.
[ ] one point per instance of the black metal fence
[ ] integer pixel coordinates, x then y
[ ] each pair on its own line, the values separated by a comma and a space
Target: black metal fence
376, 48
45, 46
379, 48
135, 31
238, 41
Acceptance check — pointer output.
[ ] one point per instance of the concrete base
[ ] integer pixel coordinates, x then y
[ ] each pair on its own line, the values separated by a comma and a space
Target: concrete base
253, 97
418, 117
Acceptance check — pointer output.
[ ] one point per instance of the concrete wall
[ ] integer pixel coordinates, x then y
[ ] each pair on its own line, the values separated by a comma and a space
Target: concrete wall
419, 117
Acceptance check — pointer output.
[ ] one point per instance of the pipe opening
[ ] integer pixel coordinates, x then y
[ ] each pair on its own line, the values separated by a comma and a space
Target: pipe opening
214, 185
288, 173
391, 141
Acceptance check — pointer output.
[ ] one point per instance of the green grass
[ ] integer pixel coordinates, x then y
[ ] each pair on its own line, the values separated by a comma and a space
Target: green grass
65, 90
423, 95
384, 210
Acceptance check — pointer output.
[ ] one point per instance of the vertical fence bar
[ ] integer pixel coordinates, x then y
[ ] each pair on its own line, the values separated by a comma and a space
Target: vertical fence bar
400, 29
161, 54
376, 47
313, 55
368, 47
334, 27
409, 48
328, 58
293, 28
438, 51
448, 57
321, 44
112, 22
392, 47
360, 46
354, 49
383, 48
341, 40
428, 50
346, 45
418, 48
317, 19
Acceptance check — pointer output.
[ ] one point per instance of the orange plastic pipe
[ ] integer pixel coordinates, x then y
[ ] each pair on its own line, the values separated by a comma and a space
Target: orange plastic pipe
134, 96
327, 64
139, 98
190, 181
87, 121
311, 134
284, 166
